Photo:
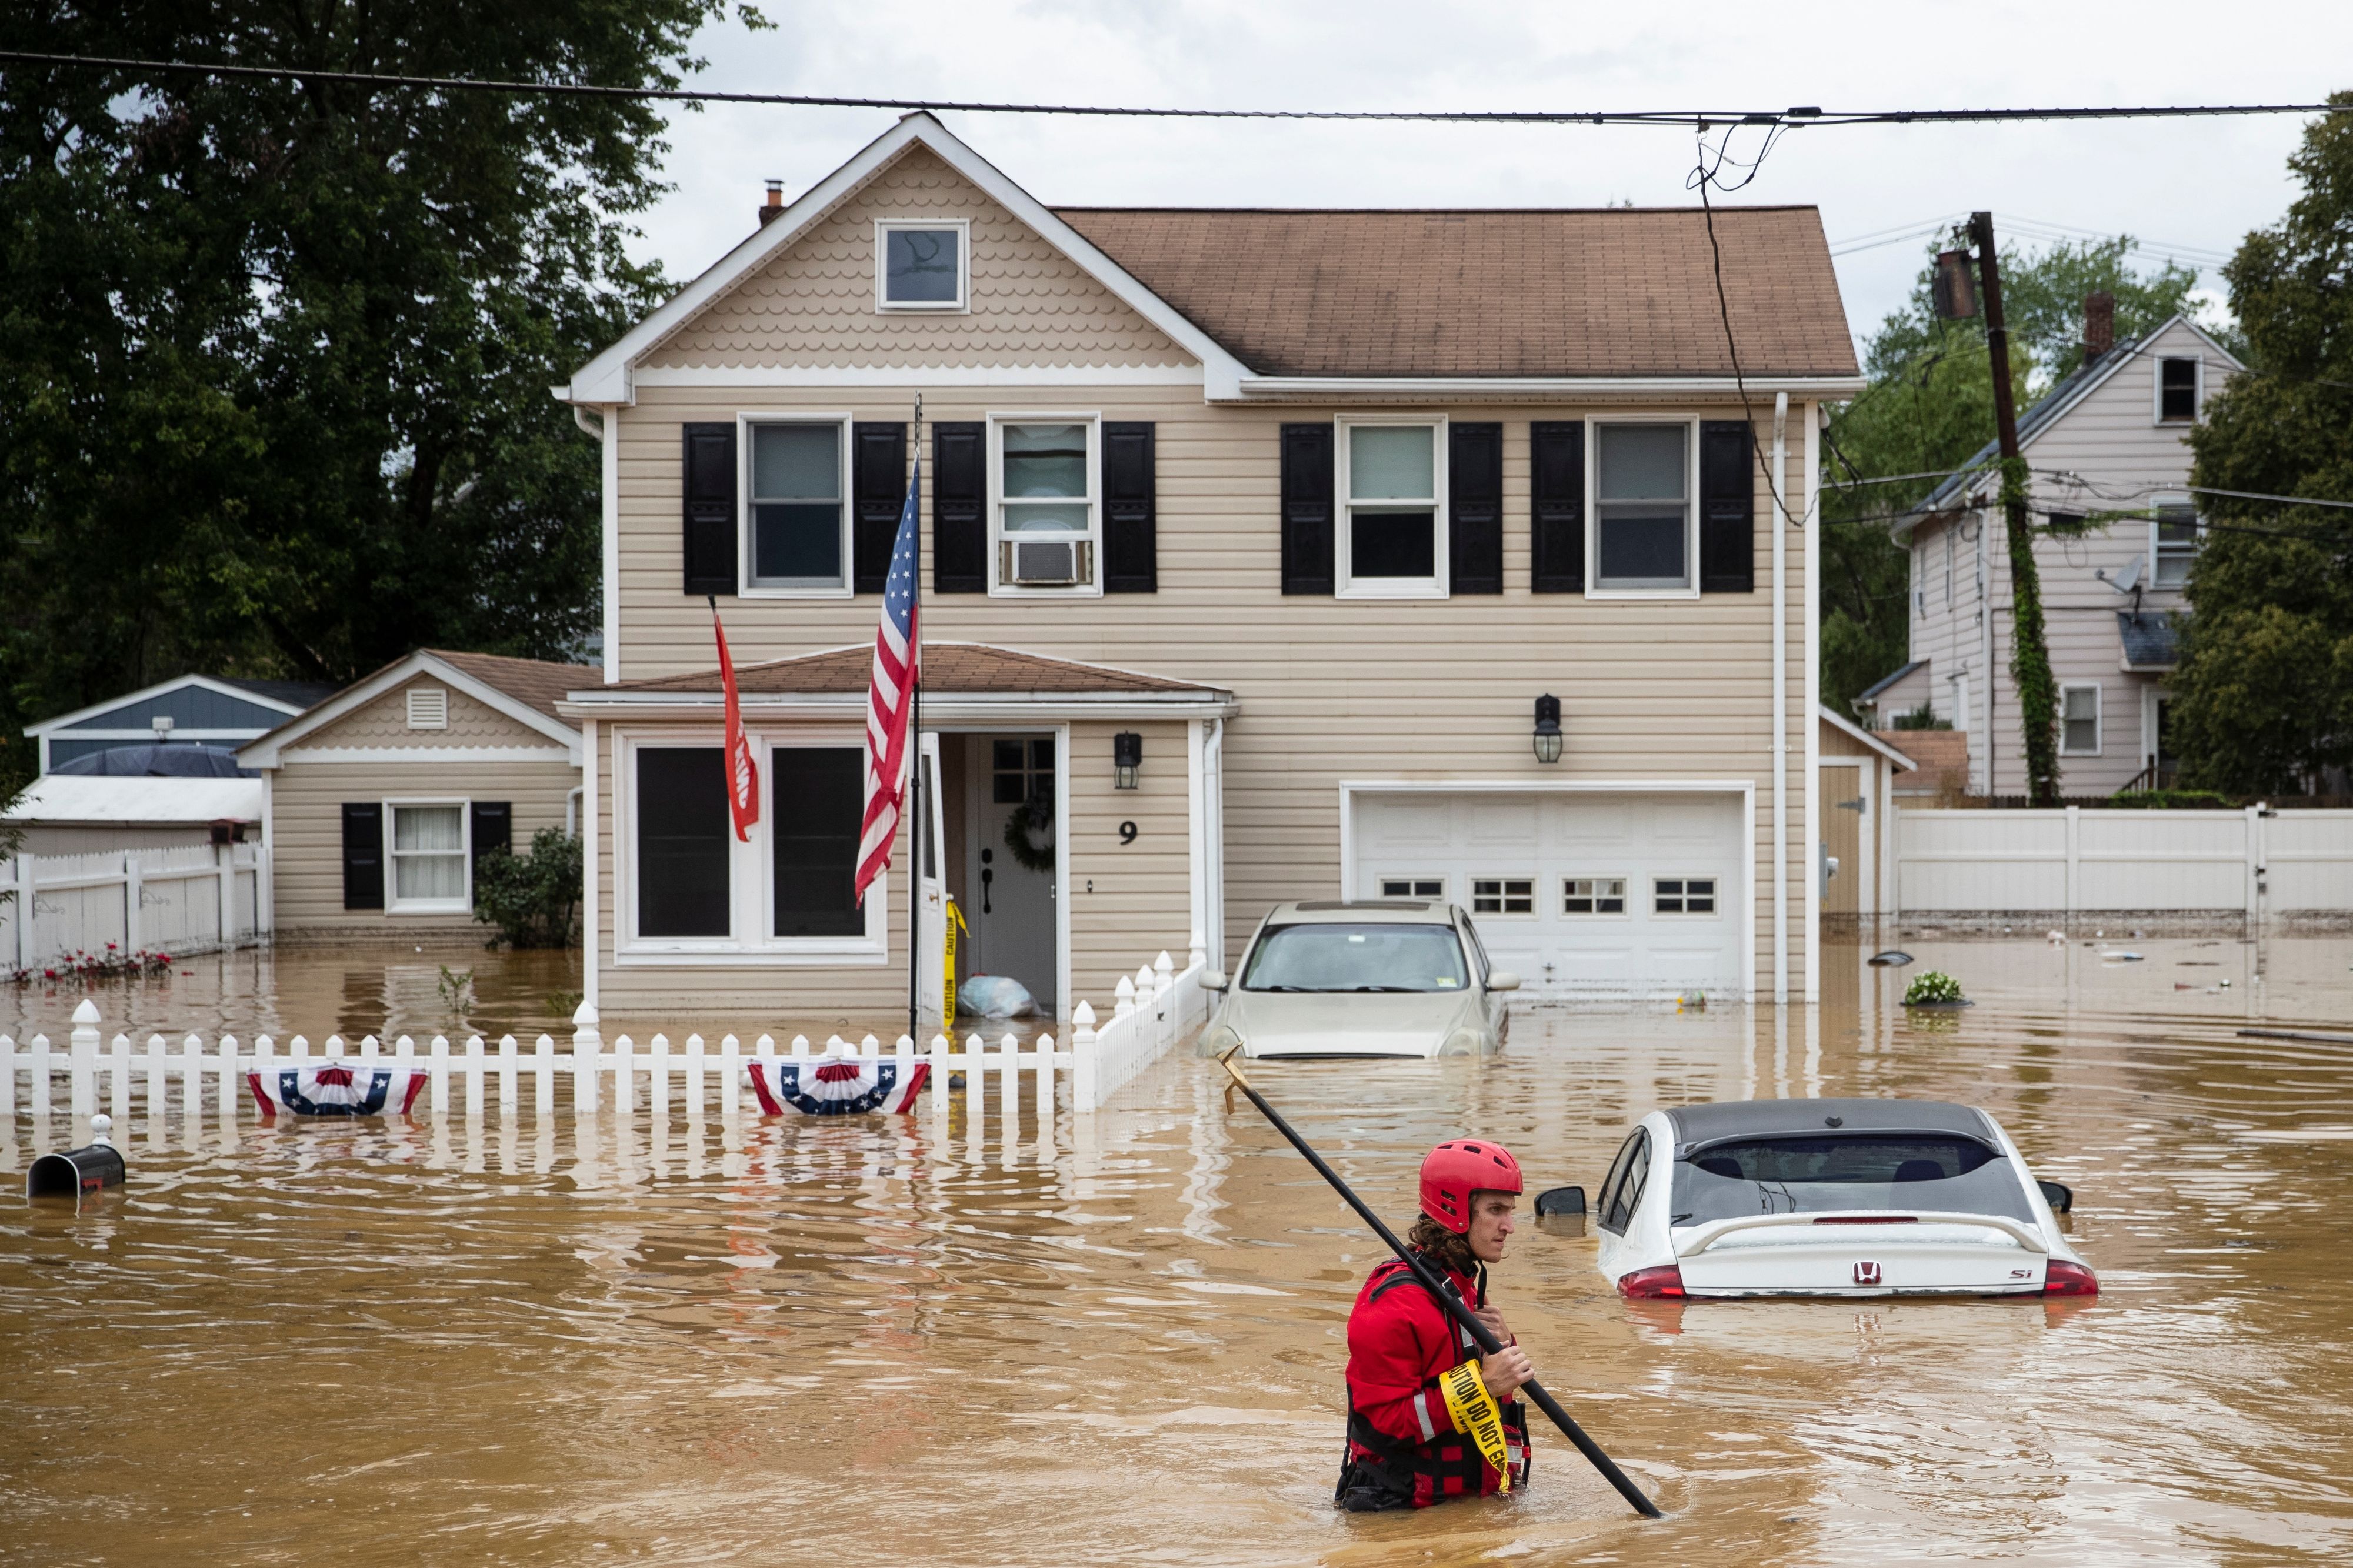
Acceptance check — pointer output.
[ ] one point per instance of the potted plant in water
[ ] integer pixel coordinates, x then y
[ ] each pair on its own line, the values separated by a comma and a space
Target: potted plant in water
1935, 988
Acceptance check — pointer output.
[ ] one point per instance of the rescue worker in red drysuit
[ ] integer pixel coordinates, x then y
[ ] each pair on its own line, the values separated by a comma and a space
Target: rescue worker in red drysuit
1405, 1449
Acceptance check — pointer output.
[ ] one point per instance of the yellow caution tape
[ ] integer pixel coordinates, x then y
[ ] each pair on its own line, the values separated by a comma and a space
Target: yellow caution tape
1475, 1412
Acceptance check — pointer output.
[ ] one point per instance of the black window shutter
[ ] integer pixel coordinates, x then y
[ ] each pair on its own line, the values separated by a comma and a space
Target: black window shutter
492, 828
362, 855
1474, 505
1307, 509
709, 481
1727, 507
959, 508
1131, 509
878, 489
1557, 506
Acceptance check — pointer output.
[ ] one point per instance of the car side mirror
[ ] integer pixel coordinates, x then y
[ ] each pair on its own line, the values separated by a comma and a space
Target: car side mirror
1214, 980
1560, 1200
1503, 979
2059, 1195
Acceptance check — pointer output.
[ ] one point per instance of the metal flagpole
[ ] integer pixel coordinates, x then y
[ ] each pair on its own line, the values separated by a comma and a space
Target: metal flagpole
917, 822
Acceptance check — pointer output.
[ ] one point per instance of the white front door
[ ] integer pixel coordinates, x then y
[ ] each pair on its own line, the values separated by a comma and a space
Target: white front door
1583, 894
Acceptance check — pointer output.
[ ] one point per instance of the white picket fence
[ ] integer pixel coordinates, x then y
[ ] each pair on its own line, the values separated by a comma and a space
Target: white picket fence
177, 900
1154, 1010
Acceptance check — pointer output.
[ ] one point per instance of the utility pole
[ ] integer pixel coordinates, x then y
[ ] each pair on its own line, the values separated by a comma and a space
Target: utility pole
2030, 650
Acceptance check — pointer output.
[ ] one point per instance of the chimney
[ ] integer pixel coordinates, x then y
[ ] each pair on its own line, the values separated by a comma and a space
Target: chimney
2099, 324
774, 208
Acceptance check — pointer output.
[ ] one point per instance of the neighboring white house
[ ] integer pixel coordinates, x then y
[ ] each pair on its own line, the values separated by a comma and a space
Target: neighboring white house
2110, 436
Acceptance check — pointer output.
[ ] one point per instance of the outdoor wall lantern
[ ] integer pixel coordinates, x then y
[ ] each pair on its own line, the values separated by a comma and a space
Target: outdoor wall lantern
1127, 757
1547, 735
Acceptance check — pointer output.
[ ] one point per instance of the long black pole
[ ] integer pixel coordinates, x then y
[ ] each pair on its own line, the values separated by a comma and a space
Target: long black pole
1454, 1305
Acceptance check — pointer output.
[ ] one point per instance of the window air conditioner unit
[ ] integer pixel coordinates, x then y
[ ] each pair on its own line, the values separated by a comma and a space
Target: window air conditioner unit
1046, 563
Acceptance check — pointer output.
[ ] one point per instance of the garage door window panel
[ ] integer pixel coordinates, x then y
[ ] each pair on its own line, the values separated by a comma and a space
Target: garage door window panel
1683, 895
1413, 886
1392, 536
1349, 958
1504, 895
1643, 519
1593, 896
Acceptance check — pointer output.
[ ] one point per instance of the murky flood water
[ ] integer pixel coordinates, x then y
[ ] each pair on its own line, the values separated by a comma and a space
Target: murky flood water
1121, 1341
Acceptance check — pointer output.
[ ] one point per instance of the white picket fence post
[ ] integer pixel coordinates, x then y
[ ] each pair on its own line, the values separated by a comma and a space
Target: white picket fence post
658, 1076
1084, 1064
474, 1074
939, 1060
731, 1074
543, 1077
625, 1077
82, 1059
584, 1045
39, 1097
1163, 986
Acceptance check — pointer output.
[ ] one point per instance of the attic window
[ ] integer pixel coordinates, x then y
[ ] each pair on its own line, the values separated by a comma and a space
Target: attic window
2177, 391
920, 266
429, 707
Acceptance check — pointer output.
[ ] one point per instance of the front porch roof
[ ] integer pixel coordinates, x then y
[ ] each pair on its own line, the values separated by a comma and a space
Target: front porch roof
962, 682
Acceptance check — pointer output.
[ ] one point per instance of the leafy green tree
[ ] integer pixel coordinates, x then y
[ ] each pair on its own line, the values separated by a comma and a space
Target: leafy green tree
275, 354
2264, 698
1929, 408
533, 900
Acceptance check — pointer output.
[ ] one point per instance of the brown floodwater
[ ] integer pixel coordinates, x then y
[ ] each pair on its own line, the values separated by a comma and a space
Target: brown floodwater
1121, 1341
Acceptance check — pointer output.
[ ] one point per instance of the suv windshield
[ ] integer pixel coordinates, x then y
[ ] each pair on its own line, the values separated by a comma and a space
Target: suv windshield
1898, 1171
1383, 957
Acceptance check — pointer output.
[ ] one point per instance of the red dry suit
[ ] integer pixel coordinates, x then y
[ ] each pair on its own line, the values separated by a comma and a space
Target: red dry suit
1403, 1448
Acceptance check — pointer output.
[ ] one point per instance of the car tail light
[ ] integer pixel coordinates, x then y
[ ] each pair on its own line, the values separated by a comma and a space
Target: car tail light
1652, 1284
2061, 1279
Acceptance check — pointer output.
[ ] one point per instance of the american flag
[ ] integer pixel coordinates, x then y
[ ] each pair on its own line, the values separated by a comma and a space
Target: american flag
898, 653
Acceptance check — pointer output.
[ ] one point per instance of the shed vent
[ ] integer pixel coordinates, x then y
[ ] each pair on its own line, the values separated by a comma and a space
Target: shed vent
429, 707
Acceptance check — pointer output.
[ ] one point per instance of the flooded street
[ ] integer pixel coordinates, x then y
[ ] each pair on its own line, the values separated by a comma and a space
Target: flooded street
1118, 1338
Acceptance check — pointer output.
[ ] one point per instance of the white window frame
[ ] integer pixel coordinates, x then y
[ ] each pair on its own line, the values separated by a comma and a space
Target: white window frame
2157, 503
2156, 389
1346, 583
1650, 904
999, 588
1536, 898
1438, 878
2099, 719
745, 420
960, 305
751, 866
394, 904
1593, 590
1625, 897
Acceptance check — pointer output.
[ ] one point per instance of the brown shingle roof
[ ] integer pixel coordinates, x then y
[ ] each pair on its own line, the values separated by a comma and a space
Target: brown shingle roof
958, 668
533, 682
1607, 291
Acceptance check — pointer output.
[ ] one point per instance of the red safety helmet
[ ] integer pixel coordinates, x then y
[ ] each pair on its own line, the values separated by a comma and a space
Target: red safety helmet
1459, 1167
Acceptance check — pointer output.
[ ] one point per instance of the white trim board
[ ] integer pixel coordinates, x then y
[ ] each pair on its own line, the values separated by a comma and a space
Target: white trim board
920, 376
265, 752
382, 755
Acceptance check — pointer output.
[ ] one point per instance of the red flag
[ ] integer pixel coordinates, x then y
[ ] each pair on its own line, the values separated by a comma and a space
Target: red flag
742, 775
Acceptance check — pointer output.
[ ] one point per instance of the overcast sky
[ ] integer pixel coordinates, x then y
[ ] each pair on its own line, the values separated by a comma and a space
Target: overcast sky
2189, 188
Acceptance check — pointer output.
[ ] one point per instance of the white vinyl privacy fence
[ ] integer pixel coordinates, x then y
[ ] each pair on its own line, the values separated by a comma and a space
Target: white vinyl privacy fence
588, 1073
177, 900
2252, 863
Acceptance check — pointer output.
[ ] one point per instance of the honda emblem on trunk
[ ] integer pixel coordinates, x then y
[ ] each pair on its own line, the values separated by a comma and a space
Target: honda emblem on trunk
1866, 1273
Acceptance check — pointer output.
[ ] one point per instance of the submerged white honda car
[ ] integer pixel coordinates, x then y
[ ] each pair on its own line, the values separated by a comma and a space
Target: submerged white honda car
1830, 1197
1387, 977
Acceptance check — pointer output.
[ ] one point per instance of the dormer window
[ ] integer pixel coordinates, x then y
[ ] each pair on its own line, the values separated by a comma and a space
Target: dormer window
920, 265
2177, 391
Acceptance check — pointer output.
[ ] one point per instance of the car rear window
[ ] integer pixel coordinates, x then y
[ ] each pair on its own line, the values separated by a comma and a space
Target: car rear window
1898, 1171
1383, 956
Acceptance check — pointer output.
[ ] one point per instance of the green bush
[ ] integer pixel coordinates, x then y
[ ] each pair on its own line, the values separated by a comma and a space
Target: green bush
1934, 985
1920, 718
2170, 800
533, 900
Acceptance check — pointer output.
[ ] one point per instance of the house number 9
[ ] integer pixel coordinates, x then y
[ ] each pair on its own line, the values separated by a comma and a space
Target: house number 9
1127, 833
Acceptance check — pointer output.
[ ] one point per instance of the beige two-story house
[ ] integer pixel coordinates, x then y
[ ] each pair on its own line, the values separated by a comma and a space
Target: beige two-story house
1259, 550
2109, 439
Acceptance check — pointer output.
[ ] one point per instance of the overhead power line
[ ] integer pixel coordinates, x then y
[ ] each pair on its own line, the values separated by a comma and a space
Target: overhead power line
1701, 118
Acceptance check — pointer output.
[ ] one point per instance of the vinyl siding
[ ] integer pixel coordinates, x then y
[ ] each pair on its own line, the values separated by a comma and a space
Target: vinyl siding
307, 828
2112, 440
1330, 689
814, 304
384, 724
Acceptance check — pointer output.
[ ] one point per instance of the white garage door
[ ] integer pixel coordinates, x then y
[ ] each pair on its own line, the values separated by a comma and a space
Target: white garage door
1582, 894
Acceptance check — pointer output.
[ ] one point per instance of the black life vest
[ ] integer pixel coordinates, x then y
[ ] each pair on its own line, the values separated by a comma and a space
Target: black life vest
1378, 1471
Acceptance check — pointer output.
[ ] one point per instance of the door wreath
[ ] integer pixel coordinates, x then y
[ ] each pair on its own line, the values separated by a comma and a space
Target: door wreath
1030, 819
